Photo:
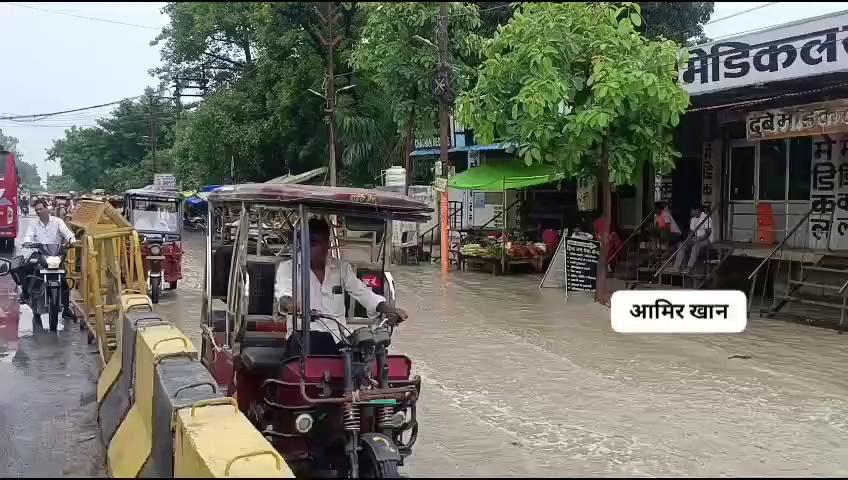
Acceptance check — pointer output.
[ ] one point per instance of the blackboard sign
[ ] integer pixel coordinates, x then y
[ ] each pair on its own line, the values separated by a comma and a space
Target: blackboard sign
581, 264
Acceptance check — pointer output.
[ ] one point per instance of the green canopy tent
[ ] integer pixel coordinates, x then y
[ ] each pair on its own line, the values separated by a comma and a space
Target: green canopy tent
505, 175
500, 176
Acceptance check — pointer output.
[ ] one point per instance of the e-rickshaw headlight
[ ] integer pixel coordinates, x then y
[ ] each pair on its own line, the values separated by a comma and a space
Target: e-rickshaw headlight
155, 250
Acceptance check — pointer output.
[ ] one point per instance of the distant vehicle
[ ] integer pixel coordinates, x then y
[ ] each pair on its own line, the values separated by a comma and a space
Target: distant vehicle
8, 201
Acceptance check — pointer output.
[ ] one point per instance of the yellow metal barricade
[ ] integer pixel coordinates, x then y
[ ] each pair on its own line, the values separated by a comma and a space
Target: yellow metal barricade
109, 260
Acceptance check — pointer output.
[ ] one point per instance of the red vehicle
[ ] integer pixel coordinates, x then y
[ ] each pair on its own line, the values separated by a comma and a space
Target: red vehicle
344, 414
8, 201
157, 217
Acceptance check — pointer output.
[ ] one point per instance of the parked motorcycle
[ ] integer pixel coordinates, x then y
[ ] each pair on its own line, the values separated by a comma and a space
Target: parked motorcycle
195, 224
43, 276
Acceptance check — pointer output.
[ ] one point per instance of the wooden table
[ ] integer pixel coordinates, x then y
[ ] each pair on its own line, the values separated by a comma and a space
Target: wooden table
493, 263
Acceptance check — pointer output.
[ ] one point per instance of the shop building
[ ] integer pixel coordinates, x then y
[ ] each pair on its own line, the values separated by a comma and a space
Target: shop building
765, 147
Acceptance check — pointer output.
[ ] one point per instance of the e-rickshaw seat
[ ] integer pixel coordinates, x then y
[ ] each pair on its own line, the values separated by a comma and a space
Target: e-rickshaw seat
263, 361
263, 339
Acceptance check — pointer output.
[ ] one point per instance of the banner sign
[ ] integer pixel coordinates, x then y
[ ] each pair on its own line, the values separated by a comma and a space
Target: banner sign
805, 48
822, 118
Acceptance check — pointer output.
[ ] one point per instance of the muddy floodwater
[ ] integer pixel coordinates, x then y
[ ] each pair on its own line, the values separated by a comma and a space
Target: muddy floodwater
519, 382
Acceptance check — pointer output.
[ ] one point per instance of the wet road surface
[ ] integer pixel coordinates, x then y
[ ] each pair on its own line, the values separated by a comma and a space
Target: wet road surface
517, 382
48, 413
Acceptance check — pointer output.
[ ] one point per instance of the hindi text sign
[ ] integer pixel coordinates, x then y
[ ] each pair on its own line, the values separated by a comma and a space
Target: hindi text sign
822, 118
810, 47
581, 264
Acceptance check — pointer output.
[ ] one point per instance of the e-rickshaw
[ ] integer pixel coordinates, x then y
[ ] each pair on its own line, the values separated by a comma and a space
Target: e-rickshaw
157, 216
352, 414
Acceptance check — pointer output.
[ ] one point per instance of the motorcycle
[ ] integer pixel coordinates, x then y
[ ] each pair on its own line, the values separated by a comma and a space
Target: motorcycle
43, 276
195, 224
24, 209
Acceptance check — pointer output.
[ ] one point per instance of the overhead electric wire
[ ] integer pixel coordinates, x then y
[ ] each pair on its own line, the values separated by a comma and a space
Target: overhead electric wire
56, 12
50, 114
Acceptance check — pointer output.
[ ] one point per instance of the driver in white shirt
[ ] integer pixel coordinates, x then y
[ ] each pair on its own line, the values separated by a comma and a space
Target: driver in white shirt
330, 278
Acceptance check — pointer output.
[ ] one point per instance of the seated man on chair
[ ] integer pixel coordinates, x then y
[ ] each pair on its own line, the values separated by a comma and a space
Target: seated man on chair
330, 278
700, 227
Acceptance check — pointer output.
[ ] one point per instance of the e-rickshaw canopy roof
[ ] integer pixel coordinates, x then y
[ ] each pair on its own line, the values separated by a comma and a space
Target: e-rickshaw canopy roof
154, 193
342, 200
505, 175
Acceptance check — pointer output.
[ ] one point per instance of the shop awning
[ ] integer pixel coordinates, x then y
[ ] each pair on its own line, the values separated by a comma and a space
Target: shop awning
506, 175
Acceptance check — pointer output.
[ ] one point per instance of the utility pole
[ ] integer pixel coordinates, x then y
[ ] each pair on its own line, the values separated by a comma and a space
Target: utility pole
443, 90
330, 41
152, 134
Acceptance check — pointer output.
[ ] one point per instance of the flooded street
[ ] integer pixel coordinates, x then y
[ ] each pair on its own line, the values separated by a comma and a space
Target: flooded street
517, 382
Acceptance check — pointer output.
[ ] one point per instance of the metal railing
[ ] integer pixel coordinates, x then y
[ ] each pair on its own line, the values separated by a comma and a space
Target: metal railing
454, 211
691, 236
794, 262
635, 234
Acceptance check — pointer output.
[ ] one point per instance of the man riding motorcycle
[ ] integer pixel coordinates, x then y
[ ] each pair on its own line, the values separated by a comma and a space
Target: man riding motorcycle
48, 230
330, 278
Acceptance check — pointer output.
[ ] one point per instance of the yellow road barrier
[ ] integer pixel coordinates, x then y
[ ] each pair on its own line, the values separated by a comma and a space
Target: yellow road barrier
215, 440
132, 444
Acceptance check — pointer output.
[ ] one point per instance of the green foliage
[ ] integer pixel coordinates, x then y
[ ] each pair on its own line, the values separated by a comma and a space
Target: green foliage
403, 66
62, 183
369, 135
678, 21
561, 78
27, 173
214, 40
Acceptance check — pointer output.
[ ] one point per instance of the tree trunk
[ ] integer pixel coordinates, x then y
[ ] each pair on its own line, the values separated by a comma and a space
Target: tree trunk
248, 58
602, 290
408, 146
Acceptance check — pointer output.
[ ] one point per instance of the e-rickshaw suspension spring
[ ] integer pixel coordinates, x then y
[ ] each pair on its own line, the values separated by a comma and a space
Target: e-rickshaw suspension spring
385, 416
351, 417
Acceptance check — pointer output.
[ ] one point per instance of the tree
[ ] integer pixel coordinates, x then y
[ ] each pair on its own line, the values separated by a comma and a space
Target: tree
676, 21
577, 85
211, 42
27, 173
61, 183
118, 153
369, 134
397, 52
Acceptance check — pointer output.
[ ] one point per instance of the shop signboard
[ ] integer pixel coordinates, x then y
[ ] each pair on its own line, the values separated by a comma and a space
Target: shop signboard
164, 181
829, 196
805, 48
581, 264
823, 118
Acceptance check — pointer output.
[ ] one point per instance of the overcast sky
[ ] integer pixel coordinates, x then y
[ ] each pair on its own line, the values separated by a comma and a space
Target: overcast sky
54, 61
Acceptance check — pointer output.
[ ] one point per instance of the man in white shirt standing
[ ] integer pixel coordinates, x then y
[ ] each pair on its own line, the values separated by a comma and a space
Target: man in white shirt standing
330, 278
700, 226
47, 230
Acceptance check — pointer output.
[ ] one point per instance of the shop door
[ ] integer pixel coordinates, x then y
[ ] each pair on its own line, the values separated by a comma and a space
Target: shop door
742, 192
